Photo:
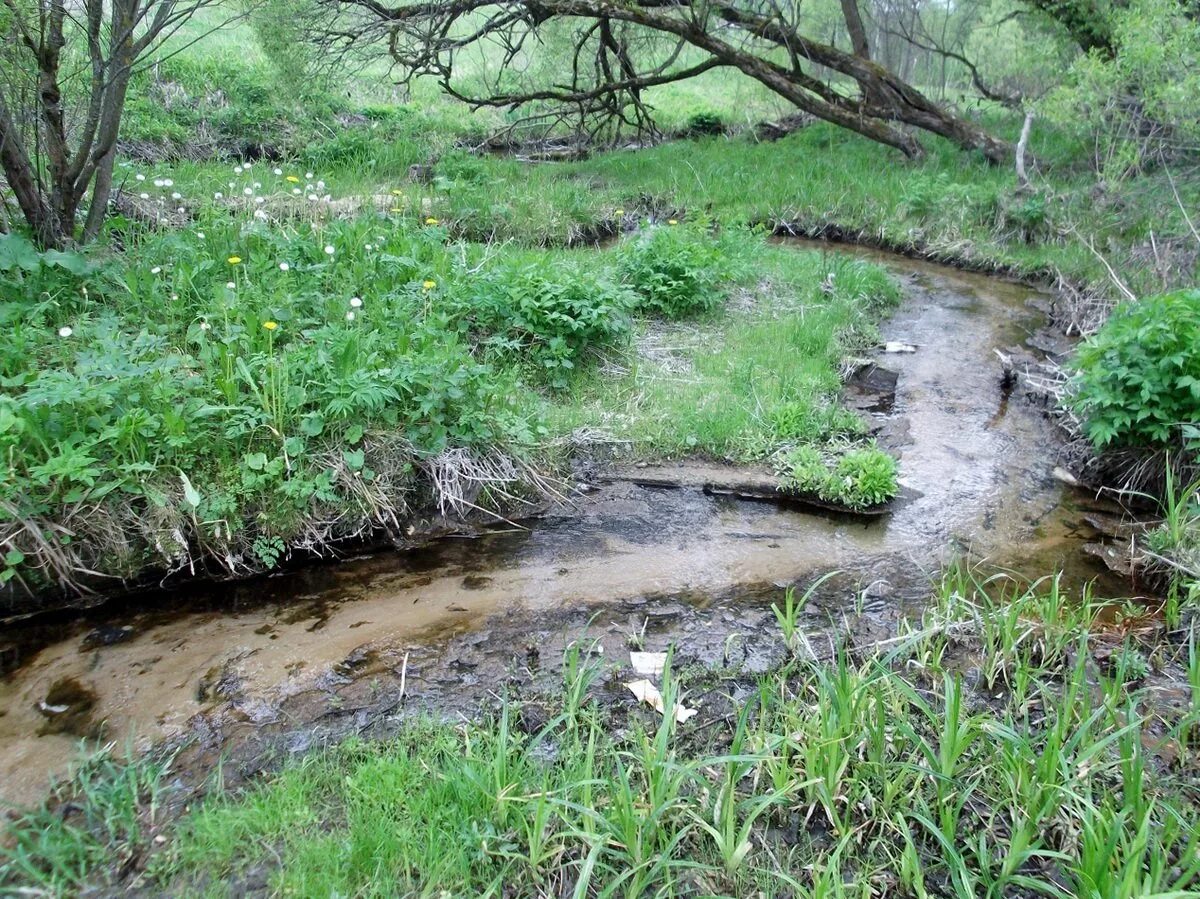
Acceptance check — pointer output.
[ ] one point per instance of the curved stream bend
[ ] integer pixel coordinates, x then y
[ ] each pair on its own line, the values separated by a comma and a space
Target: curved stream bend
271, 660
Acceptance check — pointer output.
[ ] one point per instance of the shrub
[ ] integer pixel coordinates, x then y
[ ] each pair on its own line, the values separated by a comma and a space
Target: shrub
1137, 380
679, 270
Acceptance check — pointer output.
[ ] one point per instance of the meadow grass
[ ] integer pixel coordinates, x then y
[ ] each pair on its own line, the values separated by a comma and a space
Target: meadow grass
996, 746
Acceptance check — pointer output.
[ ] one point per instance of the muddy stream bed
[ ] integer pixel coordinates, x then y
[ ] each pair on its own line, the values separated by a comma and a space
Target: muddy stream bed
252, 671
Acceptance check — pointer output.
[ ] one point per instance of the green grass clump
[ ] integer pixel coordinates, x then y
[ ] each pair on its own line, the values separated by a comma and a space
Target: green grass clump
1137, 379
1037, 772
859, 478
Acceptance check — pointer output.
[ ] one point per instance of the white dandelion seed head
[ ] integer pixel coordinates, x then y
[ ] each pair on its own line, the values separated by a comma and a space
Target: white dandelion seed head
64, 331
329, 251
230, 285
144, 196
349, 316
278, 171
140, 177
204, 326
259, 200
200, 234
176, 195
247, 191
296, 191
156, 270
158, 182
257, 185
218, 196
356, 302
313, 197
308, 175
260, 214
320, 185
283, 266
167, 182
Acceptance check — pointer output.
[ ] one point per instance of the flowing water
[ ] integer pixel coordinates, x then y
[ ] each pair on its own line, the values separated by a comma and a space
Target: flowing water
278, 663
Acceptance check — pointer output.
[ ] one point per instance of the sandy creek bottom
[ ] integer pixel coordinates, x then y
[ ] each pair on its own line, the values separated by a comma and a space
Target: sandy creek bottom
247, 671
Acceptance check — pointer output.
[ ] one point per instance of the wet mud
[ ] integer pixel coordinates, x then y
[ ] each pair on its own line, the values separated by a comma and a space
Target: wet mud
256, 671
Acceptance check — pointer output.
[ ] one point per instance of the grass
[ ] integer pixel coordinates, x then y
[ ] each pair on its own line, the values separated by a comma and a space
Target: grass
987, 750
740, 385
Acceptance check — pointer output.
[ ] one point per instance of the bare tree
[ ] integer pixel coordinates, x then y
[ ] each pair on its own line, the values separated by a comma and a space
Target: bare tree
66, 69
622, 47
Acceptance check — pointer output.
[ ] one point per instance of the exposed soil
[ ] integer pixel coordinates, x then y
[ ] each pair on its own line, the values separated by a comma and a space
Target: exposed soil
259, 670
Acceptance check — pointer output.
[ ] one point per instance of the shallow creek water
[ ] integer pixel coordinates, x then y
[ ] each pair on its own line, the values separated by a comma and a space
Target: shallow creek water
277, 664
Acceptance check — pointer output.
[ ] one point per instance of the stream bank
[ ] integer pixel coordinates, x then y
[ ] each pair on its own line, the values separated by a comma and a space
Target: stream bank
272, 667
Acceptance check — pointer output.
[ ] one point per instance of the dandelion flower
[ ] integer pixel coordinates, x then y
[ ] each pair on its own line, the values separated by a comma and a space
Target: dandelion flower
320, 185
395, 209
308, 175
429, 285
260, 214
672, 221
158, 182
313, 198
270, 326
618, 212
204, 326
355, 302
292, 179
349, 316
200, 235
283, 266
329, 250
144, 196
140, 177
431, 221
167, 182
259, 200
174, 297
156, 270
64, 331
230, 285
247, 191
368, 247
234, 260
397, 192
218, 196
257, 185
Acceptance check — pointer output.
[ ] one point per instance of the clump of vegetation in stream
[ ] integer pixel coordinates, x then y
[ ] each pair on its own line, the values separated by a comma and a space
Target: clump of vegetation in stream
1006, 742
858, 478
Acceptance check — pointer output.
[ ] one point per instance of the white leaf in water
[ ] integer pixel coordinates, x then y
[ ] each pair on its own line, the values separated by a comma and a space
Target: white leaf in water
893, 347
646, 692
651, 663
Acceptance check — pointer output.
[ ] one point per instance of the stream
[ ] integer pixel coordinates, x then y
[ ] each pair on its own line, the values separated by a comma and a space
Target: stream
247, 672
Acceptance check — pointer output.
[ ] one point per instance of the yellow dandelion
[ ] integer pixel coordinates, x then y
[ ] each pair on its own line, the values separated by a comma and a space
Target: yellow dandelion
396, 209
270, 326
672, 221
618, 212
234, 260
293, 179
431, 221
397, 193
429, 285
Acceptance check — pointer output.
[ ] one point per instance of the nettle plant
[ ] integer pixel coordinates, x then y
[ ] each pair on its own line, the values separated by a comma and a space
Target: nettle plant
678, 269
1137, 380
